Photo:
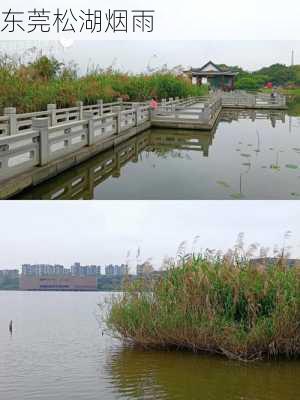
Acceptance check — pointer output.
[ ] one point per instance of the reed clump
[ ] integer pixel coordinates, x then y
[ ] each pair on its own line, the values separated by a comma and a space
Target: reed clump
30, 87
240, 310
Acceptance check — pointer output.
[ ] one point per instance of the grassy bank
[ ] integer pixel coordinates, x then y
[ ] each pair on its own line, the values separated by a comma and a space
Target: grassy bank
45, 81
241, 311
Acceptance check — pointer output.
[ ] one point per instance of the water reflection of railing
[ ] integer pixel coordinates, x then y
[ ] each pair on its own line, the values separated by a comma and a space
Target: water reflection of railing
79, 183
183, 140
273, 115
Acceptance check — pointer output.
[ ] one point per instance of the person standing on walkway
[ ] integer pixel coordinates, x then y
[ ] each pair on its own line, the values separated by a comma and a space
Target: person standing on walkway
153, 103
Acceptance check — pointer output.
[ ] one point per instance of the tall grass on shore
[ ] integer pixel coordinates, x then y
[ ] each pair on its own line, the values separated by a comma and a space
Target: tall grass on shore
212, 304
45, 81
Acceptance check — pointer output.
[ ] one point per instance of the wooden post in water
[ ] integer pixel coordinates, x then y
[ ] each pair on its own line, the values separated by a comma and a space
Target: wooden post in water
10, 327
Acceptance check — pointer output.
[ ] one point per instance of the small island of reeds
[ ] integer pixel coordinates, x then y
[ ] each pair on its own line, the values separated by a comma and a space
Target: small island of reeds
242, 310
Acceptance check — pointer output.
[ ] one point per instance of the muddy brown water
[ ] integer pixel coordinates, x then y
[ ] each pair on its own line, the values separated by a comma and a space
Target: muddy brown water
57, 351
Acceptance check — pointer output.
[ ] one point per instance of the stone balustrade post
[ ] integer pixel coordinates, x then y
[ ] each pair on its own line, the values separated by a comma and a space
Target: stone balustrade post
137, 116
120, 101
151, 113
51, 108
89, 116
79, 104
41, 125
119, 122
11, 113
206, 113
100, 104
176, 112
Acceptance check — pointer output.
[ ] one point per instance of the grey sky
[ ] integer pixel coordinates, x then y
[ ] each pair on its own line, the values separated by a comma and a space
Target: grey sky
103, 232
134, 56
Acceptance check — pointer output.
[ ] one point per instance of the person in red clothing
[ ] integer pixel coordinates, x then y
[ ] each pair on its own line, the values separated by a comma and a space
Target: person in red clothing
153, 103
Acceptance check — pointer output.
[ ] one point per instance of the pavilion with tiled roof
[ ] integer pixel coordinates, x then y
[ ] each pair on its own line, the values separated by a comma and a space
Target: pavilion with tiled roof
214, 76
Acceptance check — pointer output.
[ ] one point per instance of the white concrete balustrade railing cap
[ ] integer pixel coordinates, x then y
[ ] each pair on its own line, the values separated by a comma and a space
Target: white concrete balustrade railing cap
88, 114
10, 110
38, 123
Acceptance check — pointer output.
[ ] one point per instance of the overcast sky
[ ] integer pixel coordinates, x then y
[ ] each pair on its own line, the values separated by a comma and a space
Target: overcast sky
173, 19
102, 232
135, 56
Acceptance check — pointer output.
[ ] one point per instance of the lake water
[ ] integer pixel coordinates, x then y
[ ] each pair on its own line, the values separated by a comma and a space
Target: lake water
249, 155
57, 351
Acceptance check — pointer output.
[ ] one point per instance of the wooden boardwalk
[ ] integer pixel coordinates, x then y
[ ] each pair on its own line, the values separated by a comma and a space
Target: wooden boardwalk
35, 147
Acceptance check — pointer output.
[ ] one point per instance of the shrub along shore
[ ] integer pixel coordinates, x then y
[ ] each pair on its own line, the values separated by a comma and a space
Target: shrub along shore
45, 81
242, 311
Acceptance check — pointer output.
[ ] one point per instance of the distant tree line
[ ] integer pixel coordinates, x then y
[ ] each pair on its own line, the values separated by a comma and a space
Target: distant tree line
277, 74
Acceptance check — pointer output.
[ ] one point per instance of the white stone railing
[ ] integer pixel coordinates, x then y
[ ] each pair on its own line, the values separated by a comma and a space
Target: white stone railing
44, 143
203, 109
244, 99
36, 139
12, 123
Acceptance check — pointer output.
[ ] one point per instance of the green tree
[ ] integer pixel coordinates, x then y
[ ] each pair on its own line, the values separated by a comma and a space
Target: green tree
46, 68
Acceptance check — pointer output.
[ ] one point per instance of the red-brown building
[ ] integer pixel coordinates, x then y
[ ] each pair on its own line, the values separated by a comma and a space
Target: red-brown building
67, 283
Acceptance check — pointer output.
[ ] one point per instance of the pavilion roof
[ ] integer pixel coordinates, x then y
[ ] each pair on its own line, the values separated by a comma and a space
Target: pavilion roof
211, 69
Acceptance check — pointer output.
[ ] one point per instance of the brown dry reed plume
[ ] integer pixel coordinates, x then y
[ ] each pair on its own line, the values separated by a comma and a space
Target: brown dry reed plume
222, 304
